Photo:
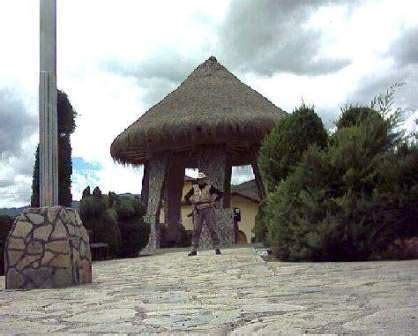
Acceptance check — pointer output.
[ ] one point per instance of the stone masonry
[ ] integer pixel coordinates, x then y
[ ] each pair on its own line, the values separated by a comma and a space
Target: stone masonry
236, 293
47, 248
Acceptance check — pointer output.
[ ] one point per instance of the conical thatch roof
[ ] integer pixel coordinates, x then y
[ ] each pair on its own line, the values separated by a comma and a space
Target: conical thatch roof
211, 106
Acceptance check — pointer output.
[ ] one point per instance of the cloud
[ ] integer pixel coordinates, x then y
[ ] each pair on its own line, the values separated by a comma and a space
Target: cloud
268, 36
15, 123
405, 48
116, 63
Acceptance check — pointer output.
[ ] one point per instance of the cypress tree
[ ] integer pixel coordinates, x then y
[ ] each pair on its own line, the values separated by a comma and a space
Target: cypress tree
66, 126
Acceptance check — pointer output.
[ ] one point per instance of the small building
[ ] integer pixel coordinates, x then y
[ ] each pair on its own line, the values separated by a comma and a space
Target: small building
212, 122
244, 197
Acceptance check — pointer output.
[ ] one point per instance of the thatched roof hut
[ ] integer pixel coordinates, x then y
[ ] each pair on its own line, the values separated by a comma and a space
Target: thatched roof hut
212, 121
211, 106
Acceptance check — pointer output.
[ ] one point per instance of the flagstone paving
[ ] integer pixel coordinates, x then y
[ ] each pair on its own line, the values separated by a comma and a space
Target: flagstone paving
236, 293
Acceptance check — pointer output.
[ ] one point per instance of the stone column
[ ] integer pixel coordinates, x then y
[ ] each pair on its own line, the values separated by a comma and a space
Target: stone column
213, 161
157, 175
48, 128
173, 192
145, 185
227, 185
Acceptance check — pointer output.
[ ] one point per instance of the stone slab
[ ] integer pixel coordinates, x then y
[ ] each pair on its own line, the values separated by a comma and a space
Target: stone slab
236, 293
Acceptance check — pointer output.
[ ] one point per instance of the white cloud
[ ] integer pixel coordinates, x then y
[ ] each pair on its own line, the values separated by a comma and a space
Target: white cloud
156, 43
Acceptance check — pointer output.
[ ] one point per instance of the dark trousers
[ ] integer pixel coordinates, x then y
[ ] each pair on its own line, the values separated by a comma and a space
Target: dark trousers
204, 216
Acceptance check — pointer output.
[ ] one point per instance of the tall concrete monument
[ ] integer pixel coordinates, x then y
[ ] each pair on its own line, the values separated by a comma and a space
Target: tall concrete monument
47, 247
48, 138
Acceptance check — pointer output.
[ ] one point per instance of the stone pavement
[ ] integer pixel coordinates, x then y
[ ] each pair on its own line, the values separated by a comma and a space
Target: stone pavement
236, 293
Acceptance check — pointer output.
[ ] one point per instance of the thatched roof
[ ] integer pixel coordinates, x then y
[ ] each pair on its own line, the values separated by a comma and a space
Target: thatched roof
211, 106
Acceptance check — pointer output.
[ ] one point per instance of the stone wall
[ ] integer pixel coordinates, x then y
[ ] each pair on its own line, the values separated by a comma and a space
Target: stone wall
47, 248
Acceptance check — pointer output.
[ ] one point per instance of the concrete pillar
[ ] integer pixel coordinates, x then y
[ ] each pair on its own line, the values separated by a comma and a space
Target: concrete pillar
48, 128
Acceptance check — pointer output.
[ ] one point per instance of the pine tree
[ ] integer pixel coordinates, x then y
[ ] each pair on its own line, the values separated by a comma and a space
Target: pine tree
66, 126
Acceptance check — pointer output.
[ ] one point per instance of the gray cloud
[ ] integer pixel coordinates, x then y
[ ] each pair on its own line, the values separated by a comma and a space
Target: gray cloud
16, 125
405, 48
157, 75
266, 36
404, 98
16, 157
165, 65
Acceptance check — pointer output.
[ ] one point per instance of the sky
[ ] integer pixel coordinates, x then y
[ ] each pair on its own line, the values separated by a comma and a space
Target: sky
117, 58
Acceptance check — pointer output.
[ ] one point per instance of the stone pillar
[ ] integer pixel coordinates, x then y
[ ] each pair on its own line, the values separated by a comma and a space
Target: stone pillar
48, 128
47, 248
259, 181
227, 185
145, 185
213, 161
157, 176
173, 192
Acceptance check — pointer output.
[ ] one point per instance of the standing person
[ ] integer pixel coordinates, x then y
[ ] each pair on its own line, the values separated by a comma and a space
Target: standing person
203, 197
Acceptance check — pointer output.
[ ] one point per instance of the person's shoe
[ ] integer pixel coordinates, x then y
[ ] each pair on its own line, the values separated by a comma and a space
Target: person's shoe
218, 251
192, 253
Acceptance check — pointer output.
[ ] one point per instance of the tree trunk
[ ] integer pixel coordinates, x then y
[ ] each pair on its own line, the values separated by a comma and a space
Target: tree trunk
173, 193
157, 174
213, 161
145, 185
259, 181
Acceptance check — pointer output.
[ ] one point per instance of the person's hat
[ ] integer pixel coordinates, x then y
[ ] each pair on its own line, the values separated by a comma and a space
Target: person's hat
201, 175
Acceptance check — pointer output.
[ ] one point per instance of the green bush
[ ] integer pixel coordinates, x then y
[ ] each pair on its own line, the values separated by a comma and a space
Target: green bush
353, 115
260, 227
284, 146
99, 217
134, 231
115, 220
5, 226
348, 201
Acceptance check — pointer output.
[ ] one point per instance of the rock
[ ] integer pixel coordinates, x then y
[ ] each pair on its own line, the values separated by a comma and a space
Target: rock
57, 254
42, 232
52, 213
61, 261
23, 229
26, 261
16, 243
34, 247
35, 218
47, 258
14, 278
58, 246
59, 232
14, 257
62, 278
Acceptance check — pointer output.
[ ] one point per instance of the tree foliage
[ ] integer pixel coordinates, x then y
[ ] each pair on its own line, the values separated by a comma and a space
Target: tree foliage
348, 201
6, 223
115, 220
66, 126
351, 199
284, 146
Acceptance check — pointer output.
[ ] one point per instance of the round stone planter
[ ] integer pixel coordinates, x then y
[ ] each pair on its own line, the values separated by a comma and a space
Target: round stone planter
47, 248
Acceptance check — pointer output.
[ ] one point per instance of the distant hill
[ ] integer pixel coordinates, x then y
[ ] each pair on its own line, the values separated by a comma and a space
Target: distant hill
13, 212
